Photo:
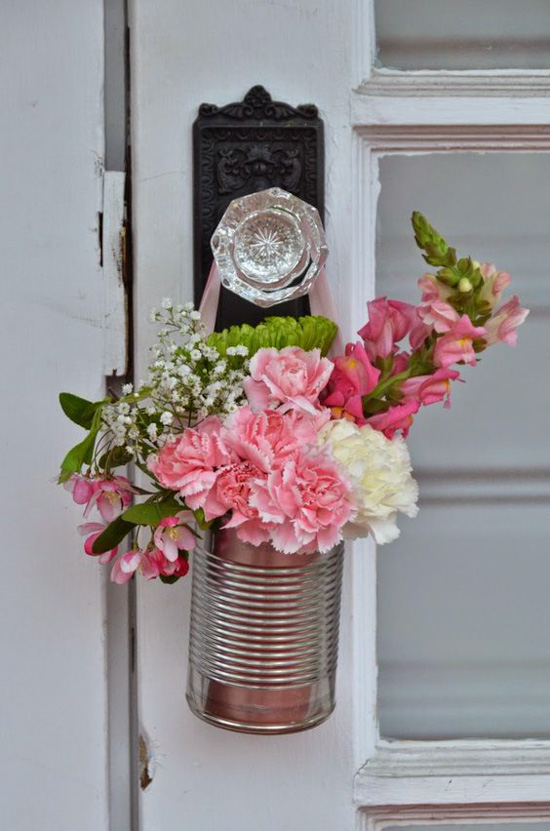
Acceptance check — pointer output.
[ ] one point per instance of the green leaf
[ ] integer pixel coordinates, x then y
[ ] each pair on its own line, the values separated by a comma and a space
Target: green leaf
173, 578
151, 513
113, 534
116, 457
78, 409
79, 455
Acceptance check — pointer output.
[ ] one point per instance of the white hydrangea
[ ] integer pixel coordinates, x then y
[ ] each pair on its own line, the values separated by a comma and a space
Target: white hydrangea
379, 471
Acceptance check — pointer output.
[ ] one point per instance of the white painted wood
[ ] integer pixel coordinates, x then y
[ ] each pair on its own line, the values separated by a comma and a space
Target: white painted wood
459, 817
202, 777
456, 773
53, 691
116, 325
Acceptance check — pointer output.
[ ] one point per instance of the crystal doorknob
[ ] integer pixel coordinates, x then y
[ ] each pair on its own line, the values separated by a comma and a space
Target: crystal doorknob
269, 247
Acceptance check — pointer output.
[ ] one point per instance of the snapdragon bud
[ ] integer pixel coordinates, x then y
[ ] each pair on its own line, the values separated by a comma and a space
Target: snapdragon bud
464, 285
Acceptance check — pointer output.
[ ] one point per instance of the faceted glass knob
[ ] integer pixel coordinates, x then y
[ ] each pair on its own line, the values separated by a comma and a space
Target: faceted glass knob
269, 247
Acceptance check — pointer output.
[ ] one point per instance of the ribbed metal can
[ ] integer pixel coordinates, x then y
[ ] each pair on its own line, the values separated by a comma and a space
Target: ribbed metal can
264, 635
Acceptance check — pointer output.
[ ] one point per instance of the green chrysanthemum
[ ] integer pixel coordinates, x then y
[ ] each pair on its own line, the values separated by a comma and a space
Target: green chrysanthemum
307, 332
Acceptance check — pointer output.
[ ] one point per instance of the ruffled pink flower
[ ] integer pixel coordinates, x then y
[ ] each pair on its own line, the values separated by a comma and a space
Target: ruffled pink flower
172, 535
457, 344
290, 376
438, 315
504, 322
92, 530
428, 389
232, 493
398, 418
353, 377
494, 283
110, 497
190, 463
389, 322
306, 503
268, 438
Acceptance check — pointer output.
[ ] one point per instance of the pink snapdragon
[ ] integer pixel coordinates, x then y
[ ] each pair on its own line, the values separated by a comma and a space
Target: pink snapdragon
397, 419
457, 344
494, 283
433, 289
429, 389
438, 315
172, 535
290, 377
305, 504
504, 322
93, 530
389, 322
353, 377
189, 464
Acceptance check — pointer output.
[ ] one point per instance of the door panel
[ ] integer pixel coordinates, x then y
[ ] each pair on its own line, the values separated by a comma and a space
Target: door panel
53, 690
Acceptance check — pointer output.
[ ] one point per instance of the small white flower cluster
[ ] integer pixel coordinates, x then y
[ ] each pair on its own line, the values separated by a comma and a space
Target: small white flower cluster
188, 381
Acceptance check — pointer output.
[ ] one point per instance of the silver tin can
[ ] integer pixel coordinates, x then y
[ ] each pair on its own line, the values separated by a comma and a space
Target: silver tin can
264, 636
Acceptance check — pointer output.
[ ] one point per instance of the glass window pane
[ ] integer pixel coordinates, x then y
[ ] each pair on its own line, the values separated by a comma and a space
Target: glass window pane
463, 34
464, 618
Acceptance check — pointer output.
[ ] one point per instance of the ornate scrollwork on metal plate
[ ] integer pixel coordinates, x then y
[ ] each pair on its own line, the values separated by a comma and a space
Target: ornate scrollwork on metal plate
241, 148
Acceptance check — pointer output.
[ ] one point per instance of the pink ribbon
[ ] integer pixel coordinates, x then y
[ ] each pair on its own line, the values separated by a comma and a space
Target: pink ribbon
320, 302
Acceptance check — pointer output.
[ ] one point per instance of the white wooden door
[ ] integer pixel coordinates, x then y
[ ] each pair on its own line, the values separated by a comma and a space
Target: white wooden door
53, 692
370, 766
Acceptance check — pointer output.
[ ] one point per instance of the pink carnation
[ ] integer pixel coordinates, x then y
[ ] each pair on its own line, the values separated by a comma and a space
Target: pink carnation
291, 377
190, 463
306, 503
268, 438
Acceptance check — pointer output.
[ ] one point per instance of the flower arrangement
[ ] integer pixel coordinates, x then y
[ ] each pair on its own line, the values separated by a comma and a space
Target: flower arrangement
258, 430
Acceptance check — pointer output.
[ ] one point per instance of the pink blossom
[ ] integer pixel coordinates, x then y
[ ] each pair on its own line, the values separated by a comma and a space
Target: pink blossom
151, 563
306, 503
353, 377
396, 418
189, 464
389, 322
81, 487
428, 389
110, 496
289, 376
457, 344
269, 437
438, 315
504, 322
92, 530
494, 283
172, 535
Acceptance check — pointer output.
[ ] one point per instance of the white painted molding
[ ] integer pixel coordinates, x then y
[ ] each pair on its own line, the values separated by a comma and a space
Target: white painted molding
380, 818
450, 773
501, 83
116, 325
445, 109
